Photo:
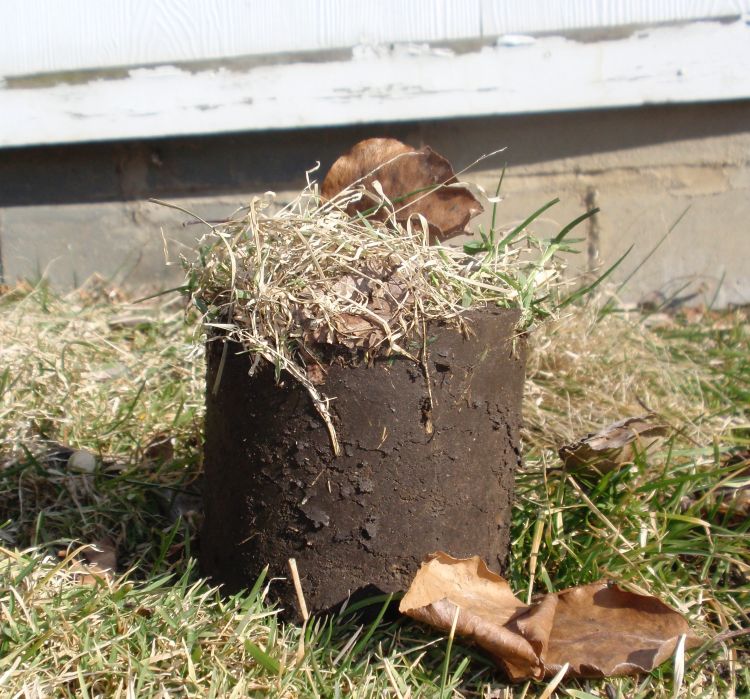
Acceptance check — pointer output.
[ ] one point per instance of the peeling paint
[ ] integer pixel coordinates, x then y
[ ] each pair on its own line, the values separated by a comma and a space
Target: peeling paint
72, 77
704, 61
165, 31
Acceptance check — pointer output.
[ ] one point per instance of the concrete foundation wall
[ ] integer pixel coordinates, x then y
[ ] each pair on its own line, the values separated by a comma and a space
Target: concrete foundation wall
69, 212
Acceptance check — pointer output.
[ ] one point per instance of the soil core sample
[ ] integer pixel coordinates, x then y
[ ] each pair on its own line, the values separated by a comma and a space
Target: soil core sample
428, 456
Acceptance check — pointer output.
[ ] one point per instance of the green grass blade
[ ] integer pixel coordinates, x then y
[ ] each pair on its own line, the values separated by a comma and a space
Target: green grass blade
508, 239
262, 658
586, 291
653, 250
494, 204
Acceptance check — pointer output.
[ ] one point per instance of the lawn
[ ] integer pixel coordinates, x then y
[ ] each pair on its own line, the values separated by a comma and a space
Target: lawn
123, 381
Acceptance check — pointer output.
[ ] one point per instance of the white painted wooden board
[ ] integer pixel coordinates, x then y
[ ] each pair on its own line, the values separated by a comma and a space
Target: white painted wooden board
697, 62
53, 35
38, 36
536, 16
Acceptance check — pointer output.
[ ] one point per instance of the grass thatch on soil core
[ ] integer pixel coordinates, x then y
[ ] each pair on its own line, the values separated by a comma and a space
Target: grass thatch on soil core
309, 277
95, 373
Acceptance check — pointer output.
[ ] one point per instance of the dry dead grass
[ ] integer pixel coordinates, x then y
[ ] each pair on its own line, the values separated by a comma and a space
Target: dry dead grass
587, 370
98, 374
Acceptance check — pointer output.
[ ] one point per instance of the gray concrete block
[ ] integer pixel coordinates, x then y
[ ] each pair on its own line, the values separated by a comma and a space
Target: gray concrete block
645, 165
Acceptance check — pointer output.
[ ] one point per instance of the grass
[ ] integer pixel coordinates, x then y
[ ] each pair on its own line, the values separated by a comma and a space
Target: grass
291, 285
89, 371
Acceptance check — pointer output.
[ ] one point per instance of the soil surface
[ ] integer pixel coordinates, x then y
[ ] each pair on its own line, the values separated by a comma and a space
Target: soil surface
274, 490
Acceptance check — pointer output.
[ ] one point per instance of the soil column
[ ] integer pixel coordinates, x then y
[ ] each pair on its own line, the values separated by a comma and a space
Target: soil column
398, 491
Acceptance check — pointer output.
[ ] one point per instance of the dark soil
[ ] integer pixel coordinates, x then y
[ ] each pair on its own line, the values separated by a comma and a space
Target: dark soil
274, 490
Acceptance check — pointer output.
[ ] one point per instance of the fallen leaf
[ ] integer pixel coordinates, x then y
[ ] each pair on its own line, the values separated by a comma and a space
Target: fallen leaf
389, 169
615, 445
486, 601
160, 448
367, 304
98, 565
603, 630
598, 629
101, 556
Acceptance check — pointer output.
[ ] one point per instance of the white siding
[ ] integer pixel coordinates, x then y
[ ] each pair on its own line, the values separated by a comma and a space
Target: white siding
78, 34
524, 16
61, 35
697, 62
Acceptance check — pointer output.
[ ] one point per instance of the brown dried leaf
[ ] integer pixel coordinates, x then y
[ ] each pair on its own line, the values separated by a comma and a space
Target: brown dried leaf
487, 604
357, 332
160, 448
401, 170
101, 557
615, 445
99, 562
599, 629
378, 293
603, 630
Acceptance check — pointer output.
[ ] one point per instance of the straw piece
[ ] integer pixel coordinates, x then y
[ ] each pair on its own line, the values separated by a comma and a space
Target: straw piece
298, 589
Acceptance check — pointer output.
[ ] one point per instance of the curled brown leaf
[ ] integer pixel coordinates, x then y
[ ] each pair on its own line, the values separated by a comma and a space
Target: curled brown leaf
101, 556
415, 182
99, 562
598, 629
615, 445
